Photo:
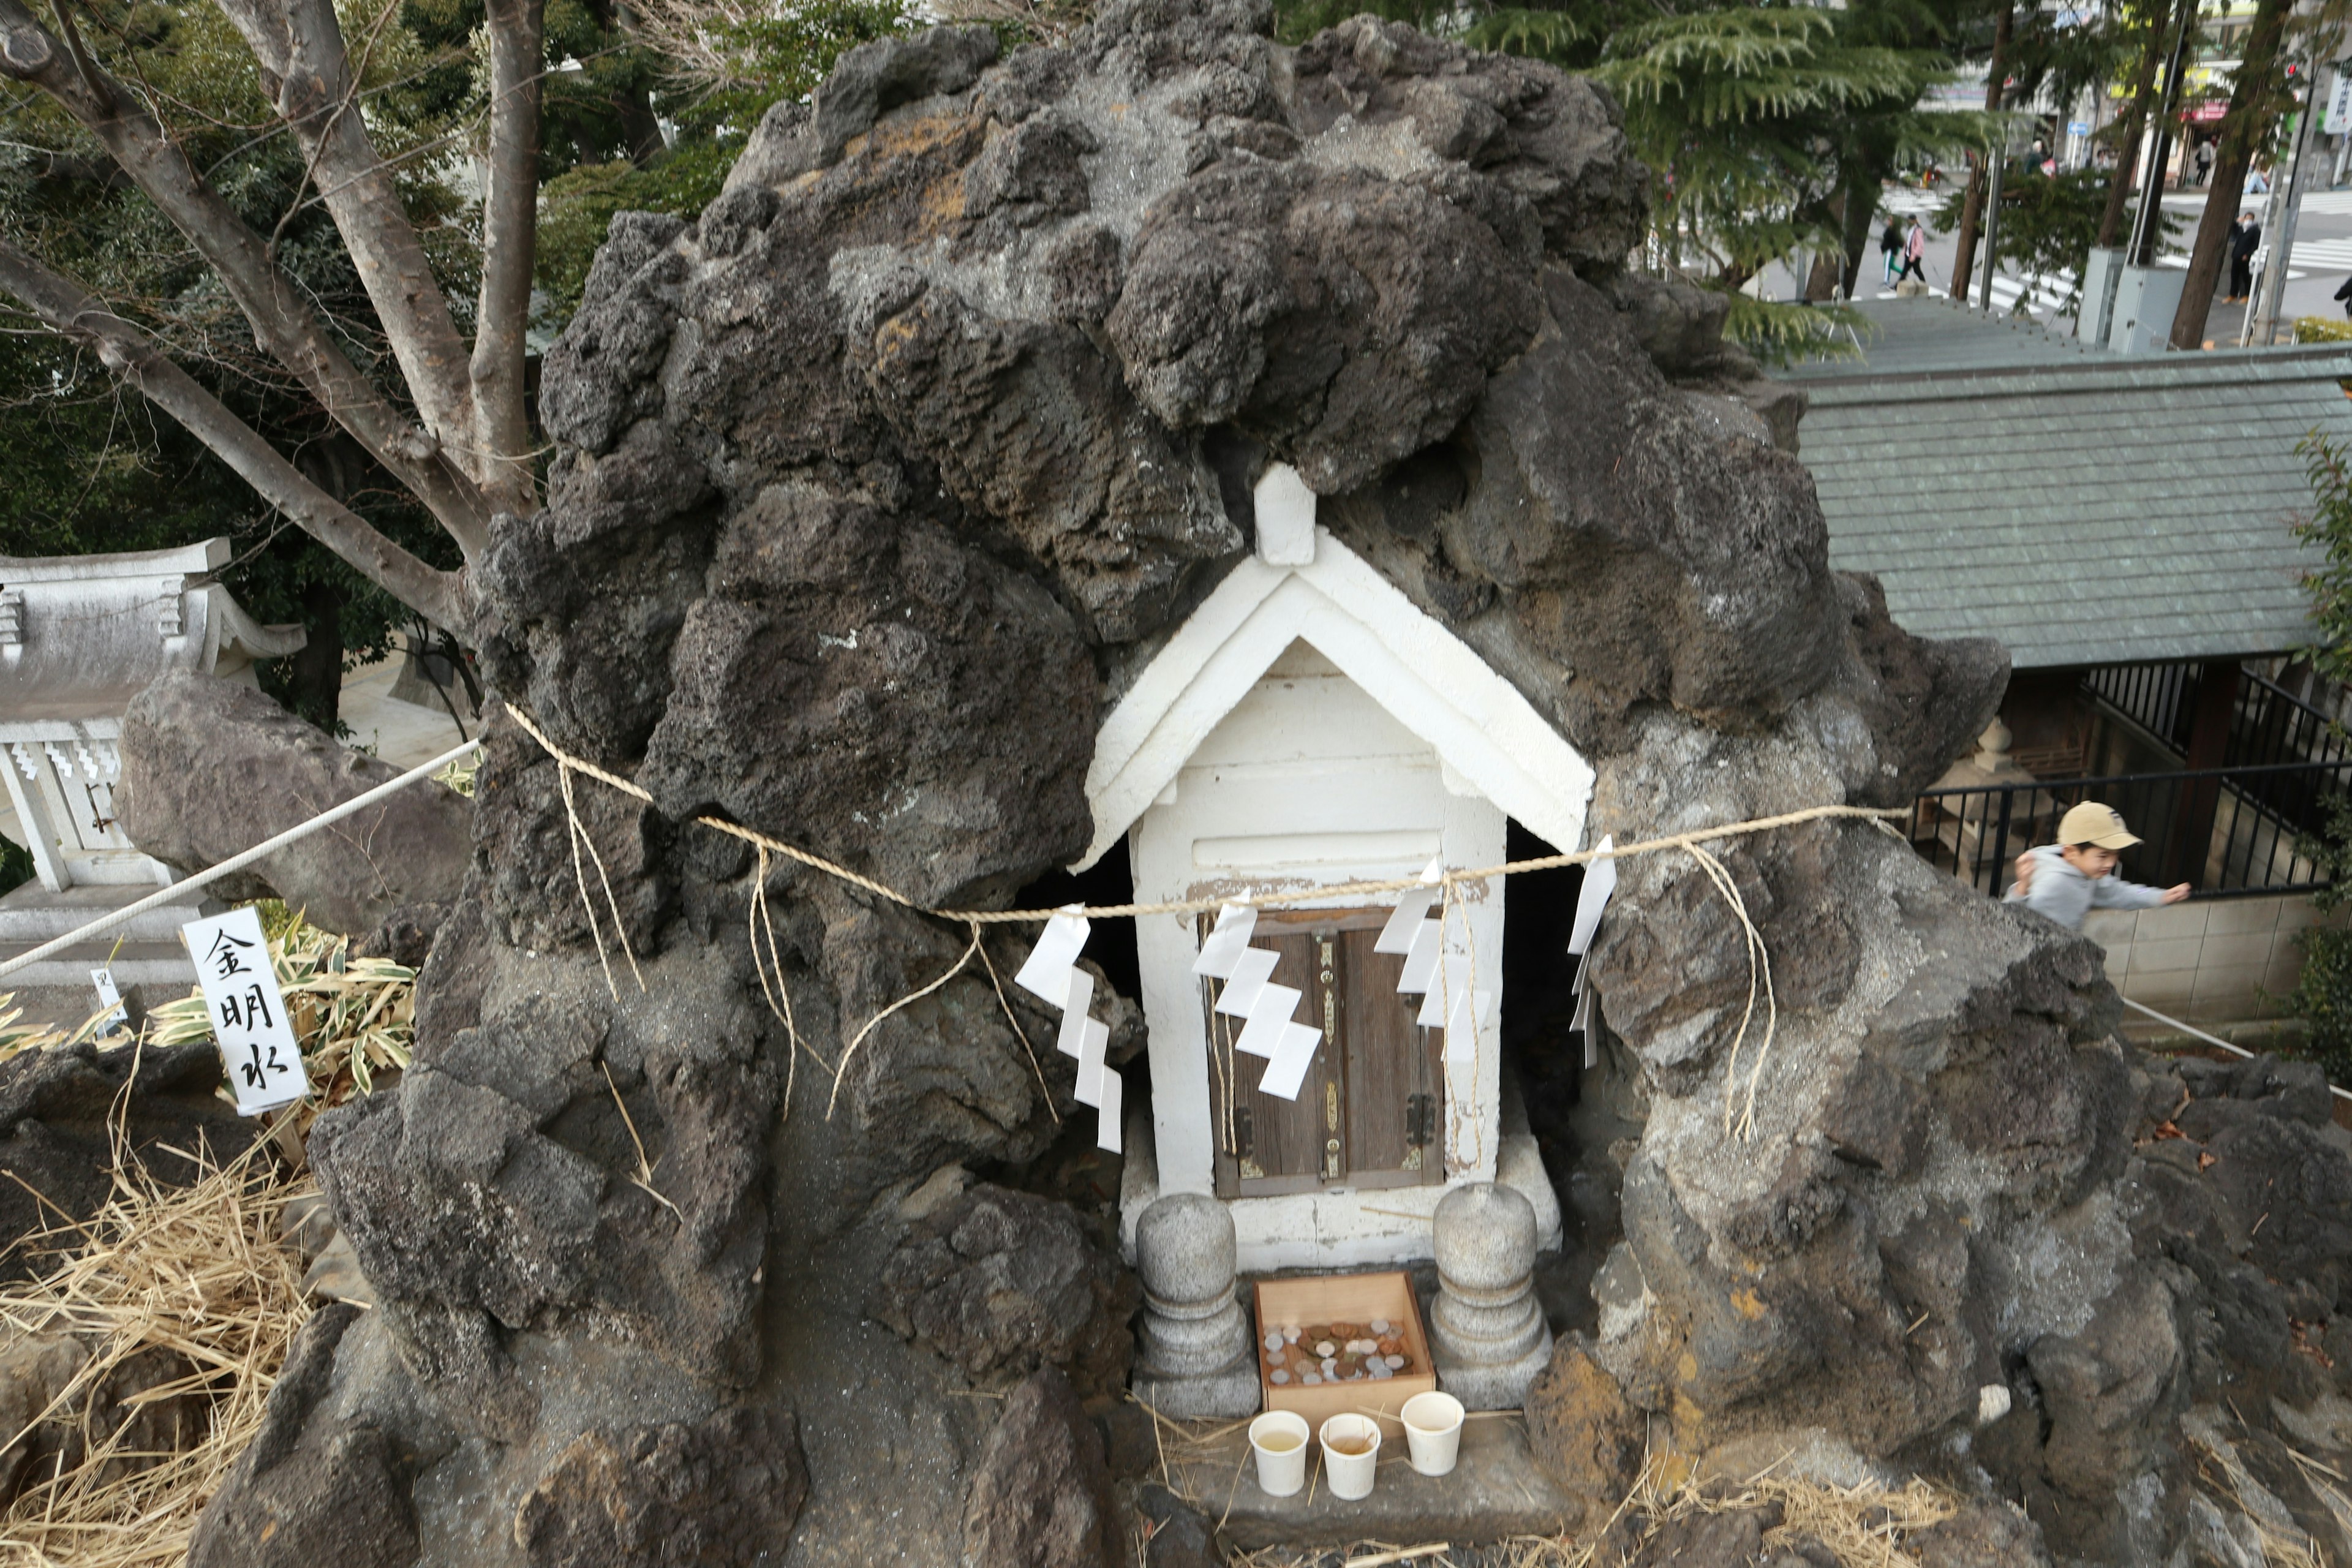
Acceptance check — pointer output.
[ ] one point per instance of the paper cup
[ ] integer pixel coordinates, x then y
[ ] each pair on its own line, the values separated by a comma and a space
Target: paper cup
1432, 1432
1350, 1473
1278, 1438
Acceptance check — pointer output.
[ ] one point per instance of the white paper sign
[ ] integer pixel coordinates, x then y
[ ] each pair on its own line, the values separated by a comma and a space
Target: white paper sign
1108, 1115
1288, 1069
102, 979
2338, 118
1046, 973
1225, 945
248, 1015
1251, 971
1600, 881
1270, 1011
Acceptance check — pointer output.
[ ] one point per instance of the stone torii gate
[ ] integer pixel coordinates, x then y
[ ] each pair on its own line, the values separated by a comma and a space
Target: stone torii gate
80, 636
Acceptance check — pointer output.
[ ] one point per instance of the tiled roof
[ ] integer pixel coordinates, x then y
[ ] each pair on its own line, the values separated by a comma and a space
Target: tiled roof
2082, 508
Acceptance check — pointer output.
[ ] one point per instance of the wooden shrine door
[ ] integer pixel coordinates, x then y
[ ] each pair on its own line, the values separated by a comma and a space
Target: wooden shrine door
1371, 1111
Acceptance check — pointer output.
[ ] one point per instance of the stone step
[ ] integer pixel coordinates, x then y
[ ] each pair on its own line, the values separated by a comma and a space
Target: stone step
164, 965
32, 914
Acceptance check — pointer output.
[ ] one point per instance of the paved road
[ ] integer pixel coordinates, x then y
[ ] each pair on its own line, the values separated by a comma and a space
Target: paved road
2323, 258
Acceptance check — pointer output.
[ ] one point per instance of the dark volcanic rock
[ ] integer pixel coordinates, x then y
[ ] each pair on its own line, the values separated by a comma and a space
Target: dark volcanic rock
1040, 1495
1583, 1431
724, 1490
307, 1491
874, 488
191, 744
1000, 1281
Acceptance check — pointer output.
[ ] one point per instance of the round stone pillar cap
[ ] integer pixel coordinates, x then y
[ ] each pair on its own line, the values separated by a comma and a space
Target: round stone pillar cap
1184, 1247
1486, 1236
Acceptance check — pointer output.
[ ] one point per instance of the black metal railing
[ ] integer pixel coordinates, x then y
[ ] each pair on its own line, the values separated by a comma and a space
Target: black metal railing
2223, 831
2153, 696
2272, 724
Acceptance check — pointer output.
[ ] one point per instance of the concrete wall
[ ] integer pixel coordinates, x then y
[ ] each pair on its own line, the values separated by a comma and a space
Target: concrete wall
2208, 961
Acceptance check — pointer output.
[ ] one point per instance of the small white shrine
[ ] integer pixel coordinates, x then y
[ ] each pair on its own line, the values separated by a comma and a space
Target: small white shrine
1308, 726
80, 635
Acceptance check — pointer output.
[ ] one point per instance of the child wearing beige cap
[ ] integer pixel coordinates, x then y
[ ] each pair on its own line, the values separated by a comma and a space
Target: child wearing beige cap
2068, 880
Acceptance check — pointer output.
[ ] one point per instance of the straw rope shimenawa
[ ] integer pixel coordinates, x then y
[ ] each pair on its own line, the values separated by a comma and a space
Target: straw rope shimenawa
1692, 843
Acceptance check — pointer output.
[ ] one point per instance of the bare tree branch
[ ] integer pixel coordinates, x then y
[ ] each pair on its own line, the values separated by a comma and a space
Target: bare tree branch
70, 309
306, 71
282, 320
509, 245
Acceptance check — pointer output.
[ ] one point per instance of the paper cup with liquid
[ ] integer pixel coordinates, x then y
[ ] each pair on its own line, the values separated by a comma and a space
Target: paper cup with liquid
1432, 1432
1351, 1452
1278, 1438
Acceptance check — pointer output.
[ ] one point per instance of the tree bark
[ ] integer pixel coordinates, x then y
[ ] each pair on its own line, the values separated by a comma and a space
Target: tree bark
1964, 253
306, 69
68, 308
1860, 216
2254, 103
2133, 129
509, 244
314, 676
282, 319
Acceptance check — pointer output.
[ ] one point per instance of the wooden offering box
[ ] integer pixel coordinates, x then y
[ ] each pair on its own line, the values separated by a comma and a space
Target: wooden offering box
1350, 1299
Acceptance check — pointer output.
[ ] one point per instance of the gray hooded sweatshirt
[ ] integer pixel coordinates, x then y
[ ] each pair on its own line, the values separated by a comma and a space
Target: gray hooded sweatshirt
2065, 895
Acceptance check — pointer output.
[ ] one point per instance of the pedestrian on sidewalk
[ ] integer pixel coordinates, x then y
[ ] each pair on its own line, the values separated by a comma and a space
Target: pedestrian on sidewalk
1890, 245
2244, 240
2345, 294
1915, 253
2068, 880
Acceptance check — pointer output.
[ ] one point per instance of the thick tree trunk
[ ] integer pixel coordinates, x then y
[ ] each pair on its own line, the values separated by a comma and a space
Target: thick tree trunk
510, 238
314, 677
1964, 255
1860, 216
2133, 129
70, 310
284, 322
2254, 103
299, 45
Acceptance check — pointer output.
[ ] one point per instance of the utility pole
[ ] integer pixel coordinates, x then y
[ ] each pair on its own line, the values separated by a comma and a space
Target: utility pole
2148, 229
2286, 194
1992, 224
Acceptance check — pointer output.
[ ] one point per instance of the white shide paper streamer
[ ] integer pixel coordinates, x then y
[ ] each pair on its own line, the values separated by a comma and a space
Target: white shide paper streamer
1051, 973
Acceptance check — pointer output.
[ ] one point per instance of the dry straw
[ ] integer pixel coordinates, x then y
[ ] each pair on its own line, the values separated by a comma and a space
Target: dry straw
196, 1273
193, 1274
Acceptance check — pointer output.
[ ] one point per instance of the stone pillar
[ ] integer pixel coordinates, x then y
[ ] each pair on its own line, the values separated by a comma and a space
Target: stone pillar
1195, 1358
1486, 1329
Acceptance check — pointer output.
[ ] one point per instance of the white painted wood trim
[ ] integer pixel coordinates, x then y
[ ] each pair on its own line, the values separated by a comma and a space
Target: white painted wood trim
1430, 680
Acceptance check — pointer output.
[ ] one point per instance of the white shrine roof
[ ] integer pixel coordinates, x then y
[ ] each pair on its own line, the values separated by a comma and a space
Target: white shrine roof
81, 635
1484, 730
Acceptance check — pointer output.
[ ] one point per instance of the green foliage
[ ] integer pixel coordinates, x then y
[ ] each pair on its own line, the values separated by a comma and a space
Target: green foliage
2049, 222
729, 59
576, 208
1770, 127
15, 865
1778, 333
2322, 996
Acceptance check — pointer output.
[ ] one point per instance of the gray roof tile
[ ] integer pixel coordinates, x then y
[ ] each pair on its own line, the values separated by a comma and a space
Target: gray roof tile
2082, 508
